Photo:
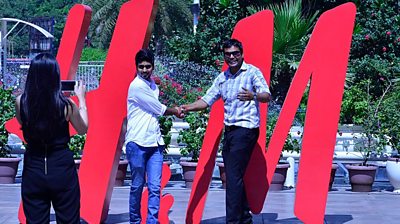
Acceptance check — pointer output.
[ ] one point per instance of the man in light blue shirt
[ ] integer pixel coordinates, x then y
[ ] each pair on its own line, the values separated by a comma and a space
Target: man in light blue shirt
242, 87
144, 143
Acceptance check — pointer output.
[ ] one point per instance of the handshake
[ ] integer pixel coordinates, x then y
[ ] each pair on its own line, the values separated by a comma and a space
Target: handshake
180, 111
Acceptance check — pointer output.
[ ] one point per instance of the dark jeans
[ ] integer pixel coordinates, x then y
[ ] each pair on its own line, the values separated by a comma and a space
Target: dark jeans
238, 147
54, 182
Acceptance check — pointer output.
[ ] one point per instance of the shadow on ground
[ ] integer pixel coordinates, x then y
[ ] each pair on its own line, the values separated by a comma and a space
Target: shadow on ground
117, 218
271, 218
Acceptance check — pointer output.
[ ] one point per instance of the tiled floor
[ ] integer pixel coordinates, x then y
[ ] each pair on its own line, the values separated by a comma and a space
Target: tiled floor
343, 206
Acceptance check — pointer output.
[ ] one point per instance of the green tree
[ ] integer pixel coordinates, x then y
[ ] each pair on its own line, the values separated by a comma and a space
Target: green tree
30, 9
291, 29
172, 15
374, 55
216, 23
375, 50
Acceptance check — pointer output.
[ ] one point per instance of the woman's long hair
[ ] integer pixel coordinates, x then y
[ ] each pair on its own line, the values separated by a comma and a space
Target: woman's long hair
42, 102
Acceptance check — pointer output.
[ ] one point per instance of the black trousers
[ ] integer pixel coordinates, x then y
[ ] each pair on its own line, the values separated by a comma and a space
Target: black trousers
238, 146
53, 182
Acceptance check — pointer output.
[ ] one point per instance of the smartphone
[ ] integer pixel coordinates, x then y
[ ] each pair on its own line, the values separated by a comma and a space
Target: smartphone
68, 85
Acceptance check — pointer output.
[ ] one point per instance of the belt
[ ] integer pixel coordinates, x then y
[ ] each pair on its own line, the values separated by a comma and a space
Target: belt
231, 128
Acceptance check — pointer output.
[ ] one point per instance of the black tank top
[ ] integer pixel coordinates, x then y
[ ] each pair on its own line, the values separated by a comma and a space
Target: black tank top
59, 138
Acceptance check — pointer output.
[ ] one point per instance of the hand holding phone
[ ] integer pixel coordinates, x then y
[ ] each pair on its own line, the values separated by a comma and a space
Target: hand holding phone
68, 85
80, 90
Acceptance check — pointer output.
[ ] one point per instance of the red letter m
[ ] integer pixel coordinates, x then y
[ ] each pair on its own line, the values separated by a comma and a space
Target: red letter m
324, 63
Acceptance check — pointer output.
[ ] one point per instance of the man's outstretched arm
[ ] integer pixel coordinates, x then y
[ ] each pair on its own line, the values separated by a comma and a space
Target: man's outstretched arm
196, 106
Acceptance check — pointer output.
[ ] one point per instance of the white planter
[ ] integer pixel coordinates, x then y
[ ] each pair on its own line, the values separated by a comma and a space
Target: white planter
177, 126
393, 172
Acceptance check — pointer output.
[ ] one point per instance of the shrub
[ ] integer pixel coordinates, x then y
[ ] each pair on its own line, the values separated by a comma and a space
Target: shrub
76, 145
7, 112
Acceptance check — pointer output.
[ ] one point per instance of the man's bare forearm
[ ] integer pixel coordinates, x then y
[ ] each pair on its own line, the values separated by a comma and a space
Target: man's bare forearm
263, 97
196, 106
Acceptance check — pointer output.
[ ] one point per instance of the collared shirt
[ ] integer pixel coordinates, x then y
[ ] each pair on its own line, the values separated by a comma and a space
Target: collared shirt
144, 108
239, 113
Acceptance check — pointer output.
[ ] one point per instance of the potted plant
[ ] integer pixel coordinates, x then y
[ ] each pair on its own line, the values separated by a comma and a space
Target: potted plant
76, 145
193, 140
370, 143
390, 116
8, 164
291, 145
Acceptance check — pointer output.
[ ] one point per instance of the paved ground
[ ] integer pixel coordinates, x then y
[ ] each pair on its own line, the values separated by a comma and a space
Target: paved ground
343, 206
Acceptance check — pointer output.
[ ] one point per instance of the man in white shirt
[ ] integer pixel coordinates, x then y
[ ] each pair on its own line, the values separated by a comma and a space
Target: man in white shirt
144, 143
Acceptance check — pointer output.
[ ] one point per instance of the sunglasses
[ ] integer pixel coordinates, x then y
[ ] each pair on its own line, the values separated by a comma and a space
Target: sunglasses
235, 54
145, 66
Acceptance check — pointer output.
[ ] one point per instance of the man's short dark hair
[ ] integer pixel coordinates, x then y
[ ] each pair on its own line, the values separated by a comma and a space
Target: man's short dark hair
233, 43
144, 55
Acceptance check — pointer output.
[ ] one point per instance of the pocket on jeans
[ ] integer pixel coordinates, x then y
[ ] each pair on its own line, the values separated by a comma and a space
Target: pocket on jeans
128, 149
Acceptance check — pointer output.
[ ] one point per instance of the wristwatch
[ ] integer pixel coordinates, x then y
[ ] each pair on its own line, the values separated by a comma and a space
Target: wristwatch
255, 96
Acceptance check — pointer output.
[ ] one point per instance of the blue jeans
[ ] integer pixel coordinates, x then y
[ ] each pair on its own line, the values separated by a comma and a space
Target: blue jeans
145, 160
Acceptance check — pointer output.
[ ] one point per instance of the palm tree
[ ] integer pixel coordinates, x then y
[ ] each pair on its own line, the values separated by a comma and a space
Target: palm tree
291, 28
172, 15
104, 17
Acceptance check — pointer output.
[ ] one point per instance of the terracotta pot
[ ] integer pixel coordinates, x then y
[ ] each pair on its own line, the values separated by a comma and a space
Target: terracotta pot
222, 174
189, 170
279, 177
121, 172
361, 177
333, 173
8, 170
277, 181
393, 172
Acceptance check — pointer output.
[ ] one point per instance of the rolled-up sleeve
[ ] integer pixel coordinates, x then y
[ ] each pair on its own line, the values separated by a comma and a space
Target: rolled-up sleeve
213, 93
259, 83
147, 101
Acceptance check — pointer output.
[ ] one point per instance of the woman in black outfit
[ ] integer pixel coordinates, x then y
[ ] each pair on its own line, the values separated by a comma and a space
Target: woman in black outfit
49, 175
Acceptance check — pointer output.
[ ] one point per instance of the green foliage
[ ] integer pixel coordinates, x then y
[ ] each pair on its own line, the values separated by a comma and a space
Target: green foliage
291, 144
390, 117
172, 15
372, 140
370, 99
215, 26
374, 56
375, 50
194, 135
7, 112
104, 17
354, 105
165, 128
93, 54
76, 145
291, 29
173, 94
29, 9
290, 26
